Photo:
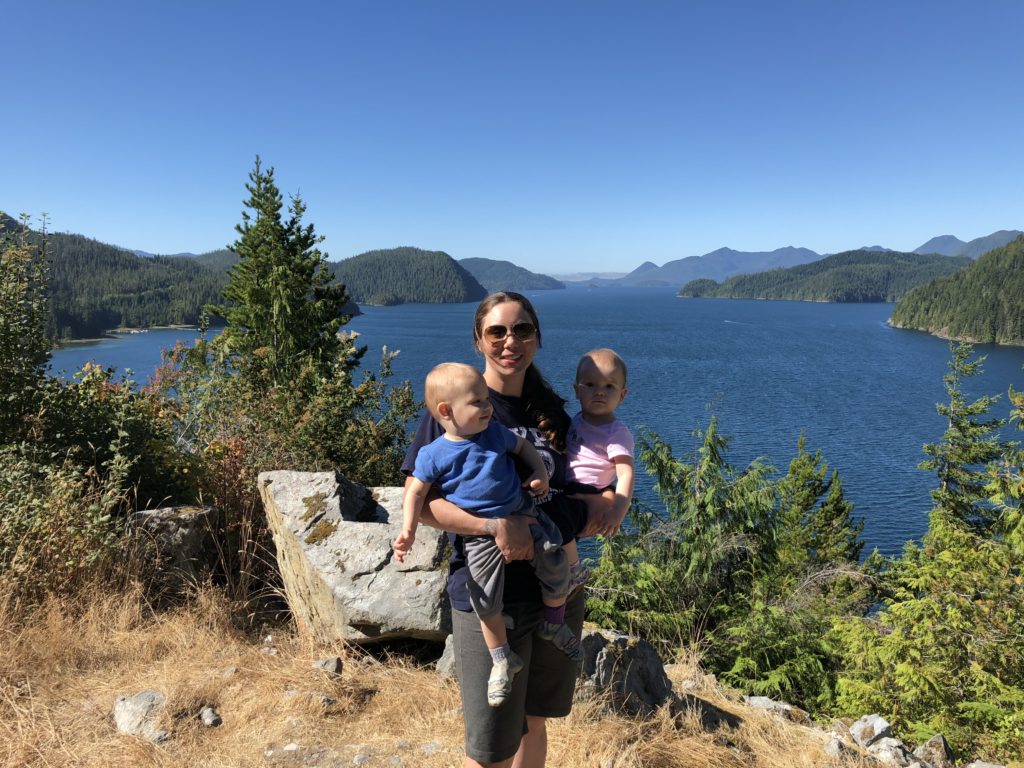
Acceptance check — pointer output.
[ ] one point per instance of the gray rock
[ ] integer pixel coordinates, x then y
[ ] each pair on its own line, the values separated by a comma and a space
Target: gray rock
178, 541
780, 708
333, 541
626, 669
209, 717
446, 664
936, 752
360, 759
137, 715
983, 764
332, 666
870, 729
837, 749
431, 747
890, 751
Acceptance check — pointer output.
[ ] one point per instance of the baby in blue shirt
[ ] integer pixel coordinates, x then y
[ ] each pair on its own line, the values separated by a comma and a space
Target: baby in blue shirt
471, 465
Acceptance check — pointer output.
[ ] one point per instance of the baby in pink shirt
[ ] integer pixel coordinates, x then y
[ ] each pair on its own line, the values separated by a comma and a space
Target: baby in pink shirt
599, 448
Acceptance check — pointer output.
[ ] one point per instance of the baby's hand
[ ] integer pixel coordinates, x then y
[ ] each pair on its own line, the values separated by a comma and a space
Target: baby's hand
538, 484
402, 544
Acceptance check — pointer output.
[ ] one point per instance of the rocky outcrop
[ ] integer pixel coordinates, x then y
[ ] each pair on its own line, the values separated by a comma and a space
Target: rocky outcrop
625, 669
178, 543
333, 540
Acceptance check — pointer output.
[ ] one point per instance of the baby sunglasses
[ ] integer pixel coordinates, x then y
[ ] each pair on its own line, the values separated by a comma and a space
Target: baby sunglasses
522, 331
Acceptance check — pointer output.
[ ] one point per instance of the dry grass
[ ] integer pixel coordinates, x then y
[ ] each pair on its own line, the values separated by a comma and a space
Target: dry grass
63, 665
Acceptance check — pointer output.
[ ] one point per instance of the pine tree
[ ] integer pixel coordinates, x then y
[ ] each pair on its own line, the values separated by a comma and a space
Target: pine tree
946, 653
968, 445
284, 309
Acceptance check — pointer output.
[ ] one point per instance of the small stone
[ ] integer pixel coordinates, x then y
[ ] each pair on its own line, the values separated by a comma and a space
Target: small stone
936, 752
446, 664
870, 729
229, 671
332, 666
360, 759
269, 650
430, 747
983, 764
136, 715
836, 749
395, 760
292, 747
402, 744
890, 751
210, 717
268, 640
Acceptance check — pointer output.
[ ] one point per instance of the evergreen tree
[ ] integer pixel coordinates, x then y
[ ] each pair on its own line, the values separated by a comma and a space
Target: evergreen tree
945, 655
967, 446
284, 310
749, 568
24, 312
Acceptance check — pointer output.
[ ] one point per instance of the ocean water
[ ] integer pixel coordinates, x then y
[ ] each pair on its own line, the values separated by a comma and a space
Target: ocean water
862, 393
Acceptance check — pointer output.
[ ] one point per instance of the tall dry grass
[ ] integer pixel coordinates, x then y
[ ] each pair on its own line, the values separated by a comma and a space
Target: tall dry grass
63, 664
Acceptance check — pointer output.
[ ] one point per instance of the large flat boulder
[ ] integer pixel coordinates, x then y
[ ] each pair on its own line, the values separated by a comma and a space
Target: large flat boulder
333, 540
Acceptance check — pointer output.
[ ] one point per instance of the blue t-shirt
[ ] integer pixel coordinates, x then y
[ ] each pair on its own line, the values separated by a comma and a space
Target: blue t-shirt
476, 473
570, 515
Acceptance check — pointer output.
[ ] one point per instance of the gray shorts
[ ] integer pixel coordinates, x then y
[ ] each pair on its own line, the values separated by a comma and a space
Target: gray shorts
543, 689
486, 565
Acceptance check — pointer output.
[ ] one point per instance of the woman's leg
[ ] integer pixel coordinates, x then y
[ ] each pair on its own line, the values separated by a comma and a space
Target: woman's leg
493, 734
533, 749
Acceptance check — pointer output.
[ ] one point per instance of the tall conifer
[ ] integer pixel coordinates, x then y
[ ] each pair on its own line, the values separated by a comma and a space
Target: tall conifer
284, 309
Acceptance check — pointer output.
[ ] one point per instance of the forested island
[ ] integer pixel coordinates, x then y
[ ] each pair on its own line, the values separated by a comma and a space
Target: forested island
982, 303
95, 287
505, 276
852, 276
404, 276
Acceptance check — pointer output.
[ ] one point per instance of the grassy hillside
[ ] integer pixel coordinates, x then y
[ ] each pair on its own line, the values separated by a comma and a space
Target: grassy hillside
406, 275
64, 666
854, 276
983, 303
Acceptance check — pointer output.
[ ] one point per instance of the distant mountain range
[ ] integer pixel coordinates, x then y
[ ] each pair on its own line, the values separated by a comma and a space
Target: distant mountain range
854, 276
948, 245
725, 262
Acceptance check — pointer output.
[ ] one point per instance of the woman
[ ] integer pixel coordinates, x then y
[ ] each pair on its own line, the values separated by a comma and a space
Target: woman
506, 332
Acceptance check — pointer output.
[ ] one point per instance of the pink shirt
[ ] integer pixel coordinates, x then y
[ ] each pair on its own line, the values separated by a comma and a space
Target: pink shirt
591, 448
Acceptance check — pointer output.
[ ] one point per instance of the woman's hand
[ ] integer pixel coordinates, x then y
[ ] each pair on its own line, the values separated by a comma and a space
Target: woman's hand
512, 536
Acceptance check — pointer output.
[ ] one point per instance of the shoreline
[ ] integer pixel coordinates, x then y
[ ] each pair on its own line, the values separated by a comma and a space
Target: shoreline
117, 333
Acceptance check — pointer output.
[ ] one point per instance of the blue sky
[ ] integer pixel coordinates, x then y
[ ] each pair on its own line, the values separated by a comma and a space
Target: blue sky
564, 136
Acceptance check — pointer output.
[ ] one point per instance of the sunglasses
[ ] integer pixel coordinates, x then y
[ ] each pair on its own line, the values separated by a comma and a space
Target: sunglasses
522, 331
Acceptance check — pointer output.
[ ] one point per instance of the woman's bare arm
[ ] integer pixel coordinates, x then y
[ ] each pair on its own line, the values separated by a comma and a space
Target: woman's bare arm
512, 534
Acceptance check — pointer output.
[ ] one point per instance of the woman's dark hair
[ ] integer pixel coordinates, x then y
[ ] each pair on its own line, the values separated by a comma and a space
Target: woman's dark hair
545, 406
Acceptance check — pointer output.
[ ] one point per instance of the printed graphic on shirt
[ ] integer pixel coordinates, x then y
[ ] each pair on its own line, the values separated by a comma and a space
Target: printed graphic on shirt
537, 438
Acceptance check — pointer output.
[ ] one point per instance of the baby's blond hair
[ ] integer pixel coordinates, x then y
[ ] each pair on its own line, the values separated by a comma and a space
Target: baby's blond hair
445, 381
618, 362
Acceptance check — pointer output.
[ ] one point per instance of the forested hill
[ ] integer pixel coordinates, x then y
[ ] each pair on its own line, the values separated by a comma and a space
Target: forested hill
506, 276
95, 287
983, 303
854, 276
405, 276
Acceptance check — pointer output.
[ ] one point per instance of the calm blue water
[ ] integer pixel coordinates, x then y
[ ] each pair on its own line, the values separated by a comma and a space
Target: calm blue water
863, 393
